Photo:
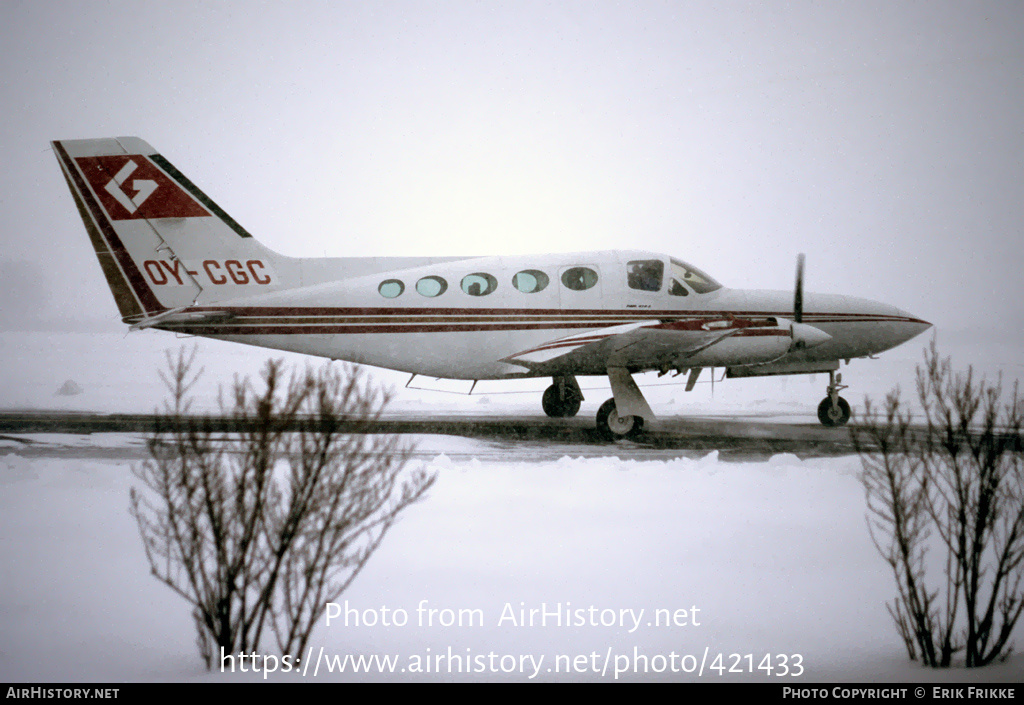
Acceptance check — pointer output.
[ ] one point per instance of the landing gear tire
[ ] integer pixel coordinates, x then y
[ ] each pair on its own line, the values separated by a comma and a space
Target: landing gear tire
833, 414
612, 427
557, 407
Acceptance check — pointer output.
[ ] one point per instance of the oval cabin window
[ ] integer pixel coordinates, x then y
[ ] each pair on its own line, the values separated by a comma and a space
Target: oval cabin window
479, 284
431, 286
391, 288
530, 281
579, 278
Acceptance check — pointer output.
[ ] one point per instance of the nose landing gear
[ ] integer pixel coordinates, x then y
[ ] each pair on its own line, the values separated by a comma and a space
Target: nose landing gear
833, 409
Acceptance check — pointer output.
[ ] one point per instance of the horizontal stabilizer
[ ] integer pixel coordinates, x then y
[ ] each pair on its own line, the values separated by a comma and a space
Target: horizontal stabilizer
182, 315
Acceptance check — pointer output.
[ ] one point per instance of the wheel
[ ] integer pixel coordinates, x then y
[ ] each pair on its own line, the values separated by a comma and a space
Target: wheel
613, 427
830, 415
556, 407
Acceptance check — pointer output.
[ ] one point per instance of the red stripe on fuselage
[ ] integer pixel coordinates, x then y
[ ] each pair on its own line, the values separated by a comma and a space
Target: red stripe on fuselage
474, 313
241, 328
400, 321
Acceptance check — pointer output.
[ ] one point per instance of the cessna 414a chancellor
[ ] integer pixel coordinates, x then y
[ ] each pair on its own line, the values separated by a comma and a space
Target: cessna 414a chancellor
177, 262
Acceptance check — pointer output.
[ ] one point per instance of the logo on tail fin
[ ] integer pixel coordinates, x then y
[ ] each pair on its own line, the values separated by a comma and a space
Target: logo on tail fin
155, 195
143, 187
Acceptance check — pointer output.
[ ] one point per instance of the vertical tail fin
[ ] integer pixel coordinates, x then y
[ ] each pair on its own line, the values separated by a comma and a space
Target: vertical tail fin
161, 242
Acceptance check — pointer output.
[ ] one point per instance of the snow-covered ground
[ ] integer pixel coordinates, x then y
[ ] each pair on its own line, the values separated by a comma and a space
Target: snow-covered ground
766, 559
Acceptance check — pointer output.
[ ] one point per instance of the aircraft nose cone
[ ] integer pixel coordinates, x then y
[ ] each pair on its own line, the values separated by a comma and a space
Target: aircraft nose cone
893, 327
860, 327
910, 326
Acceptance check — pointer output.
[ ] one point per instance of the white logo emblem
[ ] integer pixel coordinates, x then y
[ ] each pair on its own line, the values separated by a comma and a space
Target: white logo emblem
144, 188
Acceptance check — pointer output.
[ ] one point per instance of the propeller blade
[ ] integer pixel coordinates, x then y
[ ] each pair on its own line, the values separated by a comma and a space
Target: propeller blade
798, 294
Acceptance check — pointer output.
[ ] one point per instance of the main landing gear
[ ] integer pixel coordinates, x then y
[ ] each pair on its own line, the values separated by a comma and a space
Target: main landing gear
624, 414
563, 398
612, 426
833, 409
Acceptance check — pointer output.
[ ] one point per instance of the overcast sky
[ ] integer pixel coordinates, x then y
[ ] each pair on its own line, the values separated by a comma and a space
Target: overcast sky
885, 140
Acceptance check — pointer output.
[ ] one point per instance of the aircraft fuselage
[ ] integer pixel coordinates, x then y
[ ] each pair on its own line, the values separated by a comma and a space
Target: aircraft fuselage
444, 335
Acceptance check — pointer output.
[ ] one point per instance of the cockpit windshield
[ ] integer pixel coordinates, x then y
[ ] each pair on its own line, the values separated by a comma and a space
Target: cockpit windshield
692, 277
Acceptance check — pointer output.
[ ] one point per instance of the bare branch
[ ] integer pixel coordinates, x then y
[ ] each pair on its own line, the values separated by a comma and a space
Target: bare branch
963, 482
259, 528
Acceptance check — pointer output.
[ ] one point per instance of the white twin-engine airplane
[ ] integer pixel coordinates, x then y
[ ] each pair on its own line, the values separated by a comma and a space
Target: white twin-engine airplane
175, 261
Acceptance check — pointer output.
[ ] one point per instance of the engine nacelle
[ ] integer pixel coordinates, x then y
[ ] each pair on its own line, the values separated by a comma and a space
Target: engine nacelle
754, 341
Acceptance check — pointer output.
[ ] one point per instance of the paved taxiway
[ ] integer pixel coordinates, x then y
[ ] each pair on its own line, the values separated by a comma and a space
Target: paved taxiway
512, 438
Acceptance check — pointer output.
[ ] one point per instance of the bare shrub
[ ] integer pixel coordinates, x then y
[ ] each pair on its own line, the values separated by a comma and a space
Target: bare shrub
947, 496
261, 516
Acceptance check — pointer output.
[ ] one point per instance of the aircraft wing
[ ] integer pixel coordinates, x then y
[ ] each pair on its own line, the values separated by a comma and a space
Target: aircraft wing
646, 344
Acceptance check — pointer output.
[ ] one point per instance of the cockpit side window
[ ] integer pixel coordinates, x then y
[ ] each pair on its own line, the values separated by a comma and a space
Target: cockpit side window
645, 274
692, 277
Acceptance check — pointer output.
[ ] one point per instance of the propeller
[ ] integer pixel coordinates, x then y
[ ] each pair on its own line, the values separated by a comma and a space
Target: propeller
798, 294
804, 335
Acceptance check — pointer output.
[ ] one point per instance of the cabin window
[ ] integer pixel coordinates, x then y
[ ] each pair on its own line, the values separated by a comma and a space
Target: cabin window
579, 278
479, 284
692, 277
431, 286
391, 288
530, 281
645, 274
